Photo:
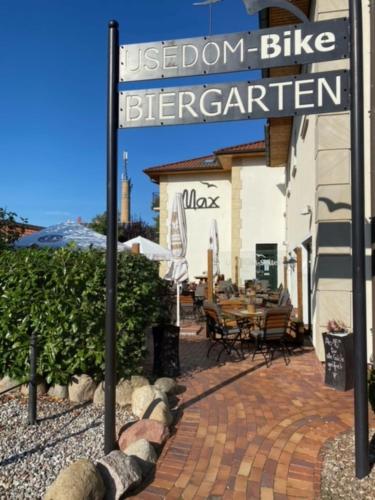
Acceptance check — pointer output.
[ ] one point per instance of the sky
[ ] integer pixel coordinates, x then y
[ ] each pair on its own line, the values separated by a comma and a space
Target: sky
53, 66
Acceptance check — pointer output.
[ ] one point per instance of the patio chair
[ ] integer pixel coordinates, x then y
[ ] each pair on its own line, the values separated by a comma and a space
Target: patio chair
219, 333
188, 307
273, 335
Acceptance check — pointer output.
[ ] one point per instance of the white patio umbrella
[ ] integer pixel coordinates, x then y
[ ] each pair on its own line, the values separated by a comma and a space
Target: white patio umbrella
178, 267
149, 248
214, 246
61, 235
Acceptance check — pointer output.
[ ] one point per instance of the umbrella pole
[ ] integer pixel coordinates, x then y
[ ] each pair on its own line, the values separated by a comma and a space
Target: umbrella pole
178, 305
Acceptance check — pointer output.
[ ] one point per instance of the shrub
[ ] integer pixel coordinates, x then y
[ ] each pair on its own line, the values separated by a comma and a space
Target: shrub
60, 294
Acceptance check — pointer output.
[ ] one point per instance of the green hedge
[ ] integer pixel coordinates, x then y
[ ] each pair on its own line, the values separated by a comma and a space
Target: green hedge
60, 294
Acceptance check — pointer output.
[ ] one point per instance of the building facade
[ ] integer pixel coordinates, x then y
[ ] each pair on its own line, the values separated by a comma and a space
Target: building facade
233, 186
287, 204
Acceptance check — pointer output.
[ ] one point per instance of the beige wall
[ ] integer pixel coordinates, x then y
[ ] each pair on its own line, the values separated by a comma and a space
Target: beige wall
199, 220
261, 217
319, 176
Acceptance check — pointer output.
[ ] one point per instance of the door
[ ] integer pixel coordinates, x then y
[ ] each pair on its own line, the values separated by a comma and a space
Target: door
266, 264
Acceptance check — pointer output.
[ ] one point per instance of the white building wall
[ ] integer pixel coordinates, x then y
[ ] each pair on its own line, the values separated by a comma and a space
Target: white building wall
199, 220
262, 213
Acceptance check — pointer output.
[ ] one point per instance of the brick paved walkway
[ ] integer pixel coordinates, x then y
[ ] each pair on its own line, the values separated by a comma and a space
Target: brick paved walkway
248, 431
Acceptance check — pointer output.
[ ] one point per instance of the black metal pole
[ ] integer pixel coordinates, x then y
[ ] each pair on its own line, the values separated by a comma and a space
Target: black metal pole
111, 263
32, 381
358, 244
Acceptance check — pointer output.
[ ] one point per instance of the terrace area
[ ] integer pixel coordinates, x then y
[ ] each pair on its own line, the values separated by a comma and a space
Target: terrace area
248, 431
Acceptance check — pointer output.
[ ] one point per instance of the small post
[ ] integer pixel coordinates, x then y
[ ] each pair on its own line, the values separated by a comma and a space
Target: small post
32, 382
237, 269
361, 424
135, 248
111, 257
210, 277
285, 263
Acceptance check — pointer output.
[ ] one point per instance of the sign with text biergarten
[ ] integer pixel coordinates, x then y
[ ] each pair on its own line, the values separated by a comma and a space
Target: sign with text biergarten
287, 96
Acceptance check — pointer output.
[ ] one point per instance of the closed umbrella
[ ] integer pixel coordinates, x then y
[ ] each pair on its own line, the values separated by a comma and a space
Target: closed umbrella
178, 267
214, 246
149, 248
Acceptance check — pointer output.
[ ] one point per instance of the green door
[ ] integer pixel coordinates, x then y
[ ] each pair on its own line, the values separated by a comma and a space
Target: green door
266, 264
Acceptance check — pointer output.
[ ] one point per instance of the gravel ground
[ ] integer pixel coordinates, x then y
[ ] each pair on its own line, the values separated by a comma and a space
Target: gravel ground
338, 474
32, 456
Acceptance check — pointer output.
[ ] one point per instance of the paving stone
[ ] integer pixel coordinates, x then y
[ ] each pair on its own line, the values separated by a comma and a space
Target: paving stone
248, 430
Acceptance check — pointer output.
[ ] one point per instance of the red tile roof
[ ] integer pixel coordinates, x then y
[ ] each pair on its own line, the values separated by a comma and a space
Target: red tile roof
201, 163
249, 147
206, 162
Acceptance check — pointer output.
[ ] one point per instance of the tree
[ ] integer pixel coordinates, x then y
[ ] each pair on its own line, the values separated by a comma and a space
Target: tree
11, 227
99, 223
138, 227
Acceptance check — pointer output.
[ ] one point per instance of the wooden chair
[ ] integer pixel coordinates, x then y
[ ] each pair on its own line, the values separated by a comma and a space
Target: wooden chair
219, 332
188, 307
273, 335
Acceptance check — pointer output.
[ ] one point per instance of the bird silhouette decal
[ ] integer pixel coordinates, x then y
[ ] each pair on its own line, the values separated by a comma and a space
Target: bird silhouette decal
208, 184
254, 6
332, 206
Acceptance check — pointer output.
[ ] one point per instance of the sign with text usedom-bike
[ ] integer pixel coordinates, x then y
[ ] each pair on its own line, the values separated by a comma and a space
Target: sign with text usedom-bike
282, 46
288, 96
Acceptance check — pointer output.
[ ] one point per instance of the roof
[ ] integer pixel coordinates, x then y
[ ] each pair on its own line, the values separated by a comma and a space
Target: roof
248, 147
202, 162
205, 163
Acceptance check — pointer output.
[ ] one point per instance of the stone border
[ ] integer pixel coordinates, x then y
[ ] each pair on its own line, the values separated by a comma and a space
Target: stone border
139, 443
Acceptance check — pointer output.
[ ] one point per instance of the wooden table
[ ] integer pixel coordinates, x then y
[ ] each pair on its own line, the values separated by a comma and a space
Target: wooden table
243, 315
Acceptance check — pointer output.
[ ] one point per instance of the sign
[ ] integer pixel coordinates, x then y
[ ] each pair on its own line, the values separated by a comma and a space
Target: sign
282, 46
293, 95
191, 201
339, 360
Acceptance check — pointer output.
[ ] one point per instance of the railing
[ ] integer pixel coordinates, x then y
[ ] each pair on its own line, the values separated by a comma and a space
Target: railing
32, 416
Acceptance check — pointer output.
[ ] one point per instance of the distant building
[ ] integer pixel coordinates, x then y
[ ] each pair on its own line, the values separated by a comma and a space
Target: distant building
234, 186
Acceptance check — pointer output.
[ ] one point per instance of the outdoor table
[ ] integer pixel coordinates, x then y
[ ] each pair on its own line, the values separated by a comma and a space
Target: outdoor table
243, 314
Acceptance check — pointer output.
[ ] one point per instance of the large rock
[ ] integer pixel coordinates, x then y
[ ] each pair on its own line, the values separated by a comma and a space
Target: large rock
124, 391
7, 383
41, 388
138, 381
99, 395
144, 397
120, 473
167, 385
155, 432
142, 449
144, 453
161, 414
58, 391
79, 481
81, 388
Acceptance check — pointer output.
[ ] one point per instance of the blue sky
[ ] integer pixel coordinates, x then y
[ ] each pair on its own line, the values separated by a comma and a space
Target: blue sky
53, 56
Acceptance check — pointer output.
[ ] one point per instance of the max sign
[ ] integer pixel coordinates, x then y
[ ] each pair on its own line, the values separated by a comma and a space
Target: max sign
283, 46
